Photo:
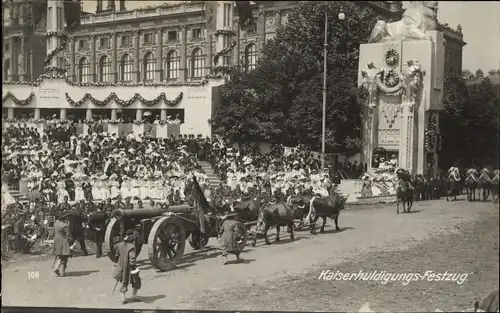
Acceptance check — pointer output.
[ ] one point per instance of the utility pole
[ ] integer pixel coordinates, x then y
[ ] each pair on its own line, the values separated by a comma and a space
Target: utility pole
323, 126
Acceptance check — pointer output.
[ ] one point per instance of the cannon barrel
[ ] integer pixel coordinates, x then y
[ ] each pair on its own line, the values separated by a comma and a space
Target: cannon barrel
138, 213
144, 213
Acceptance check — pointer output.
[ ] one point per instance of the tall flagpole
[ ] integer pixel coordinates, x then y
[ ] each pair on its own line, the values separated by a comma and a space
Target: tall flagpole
323, 126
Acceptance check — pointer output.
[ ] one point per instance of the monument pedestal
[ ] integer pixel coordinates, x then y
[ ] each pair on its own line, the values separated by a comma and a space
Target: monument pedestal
404, 81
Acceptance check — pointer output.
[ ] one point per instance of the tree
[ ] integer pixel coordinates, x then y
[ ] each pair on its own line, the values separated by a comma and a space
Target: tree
282, 98
469, 123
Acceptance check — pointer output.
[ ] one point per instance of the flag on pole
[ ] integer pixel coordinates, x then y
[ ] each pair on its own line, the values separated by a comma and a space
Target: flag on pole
245, 13
201, 204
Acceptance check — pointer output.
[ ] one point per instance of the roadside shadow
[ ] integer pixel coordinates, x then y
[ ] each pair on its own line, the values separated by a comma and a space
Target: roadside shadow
332, 230
81, 273
201, 255
150, 299
242, 261
414, 211
177, 267
261, 242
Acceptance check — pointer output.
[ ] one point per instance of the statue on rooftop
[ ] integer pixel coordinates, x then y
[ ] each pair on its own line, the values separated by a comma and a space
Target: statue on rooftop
419, 17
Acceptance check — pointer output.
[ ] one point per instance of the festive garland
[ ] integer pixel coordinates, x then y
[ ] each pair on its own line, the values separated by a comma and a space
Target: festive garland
64, 39
57, 70
224, 32
391, 78
432, 137
391, 57
124, 103
39, 80
223, 51
16, 100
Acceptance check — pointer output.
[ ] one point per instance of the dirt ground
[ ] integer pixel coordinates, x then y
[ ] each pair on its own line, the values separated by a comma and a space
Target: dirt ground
441, 236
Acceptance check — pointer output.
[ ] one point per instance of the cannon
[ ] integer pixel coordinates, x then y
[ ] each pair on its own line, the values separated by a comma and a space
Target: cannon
164, 231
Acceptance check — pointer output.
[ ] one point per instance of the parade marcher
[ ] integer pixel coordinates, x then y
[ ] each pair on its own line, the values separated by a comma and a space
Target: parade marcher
61, 248
98, 221
126, 270
76, 230
231, 237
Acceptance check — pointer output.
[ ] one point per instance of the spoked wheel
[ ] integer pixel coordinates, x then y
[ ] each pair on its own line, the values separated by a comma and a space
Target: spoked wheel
194, 240
166, 243
112, 236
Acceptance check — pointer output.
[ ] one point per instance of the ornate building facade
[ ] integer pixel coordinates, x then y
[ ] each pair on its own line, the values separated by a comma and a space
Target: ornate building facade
174, 42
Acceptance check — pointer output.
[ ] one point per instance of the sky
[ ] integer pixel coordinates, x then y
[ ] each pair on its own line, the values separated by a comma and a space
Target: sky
480, 21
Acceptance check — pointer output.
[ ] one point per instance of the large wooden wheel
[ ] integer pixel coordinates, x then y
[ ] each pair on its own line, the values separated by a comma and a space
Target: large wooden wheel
114, 234
194, 240
166, 242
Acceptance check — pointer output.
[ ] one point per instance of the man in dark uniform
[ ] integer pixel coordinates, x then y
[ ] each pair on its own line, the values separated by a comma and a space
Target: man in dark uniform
97, 222
76, 230
70, 187
109, 207
65, 206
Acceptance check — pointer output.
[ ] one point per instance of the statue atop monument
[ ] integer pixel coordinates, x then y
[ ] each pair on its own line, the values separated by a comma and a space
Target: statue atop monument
419, 17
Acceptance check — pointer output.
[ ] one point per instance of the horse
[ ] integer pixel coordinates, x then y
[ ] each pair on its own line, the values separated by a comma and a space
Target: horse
274, 215
300, 208
325, 207
484, 184
452, 183
471, 184
404, 191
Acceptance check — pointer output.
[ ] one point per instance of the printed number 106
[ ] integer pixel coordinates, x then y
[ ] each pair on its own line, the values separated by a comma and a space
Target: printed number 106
33, 275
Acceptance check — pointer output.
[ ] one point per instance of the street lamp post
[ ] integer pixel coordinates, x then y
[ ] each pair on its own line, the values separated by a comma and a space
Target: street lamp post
341, 17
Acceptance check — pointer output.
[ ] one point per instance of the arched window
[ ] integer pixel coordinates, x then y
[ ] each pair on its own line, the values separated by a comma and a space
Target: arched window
172, 65
148, 67
250, 57
104, 69
6, 69
197, 63
126, 68
84, 70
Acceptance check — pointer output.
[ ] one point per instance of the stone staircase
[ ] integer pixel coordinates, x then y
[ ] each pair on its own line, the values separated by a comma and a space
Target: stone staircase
213, 179
14, 192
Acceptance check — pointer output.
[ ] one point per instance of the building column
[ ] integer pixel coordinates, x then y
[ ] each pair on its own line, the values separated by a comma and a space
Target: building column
93, 49
262, 32
12, 59
136, 58
236, 49
88, 114
37, 114
406, 140
159, 60
22, 57
209, 43
114, 72
113, 115
277, 19
72, 56
10, 113
183, 74
62, 114
138, 115
163, 114
370, 133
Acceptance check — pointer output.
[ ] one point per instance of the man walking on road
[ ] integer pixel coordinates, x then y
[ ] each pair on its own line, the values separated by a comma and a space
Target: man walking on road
97, 221
61, 247
126, 269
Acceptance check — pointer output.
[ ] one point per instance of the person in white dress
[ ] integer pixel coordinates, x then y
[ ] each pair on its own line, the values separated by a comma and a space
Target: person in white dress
125, 188
143, 187
105, 192
96, 188
79, 194
114, 184
61, 191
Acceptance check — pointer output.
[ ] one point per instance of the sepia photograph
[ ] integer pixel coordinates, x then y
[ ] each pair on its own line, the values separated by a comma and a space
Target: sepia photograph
266, 156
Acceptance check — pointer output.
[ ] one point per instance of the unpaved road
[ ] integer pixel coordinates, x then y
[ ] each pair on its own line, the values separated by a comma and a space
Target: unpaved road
364, 232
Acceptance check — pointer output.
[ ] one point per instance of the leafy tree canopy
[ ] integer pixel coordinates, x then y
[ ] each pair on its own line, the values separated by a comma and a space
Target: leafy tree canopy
281, 100
469, 123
